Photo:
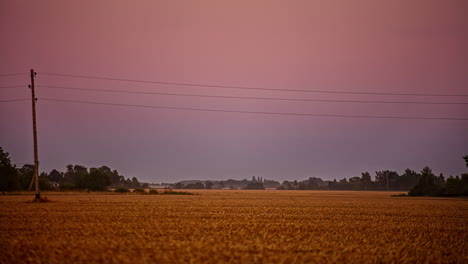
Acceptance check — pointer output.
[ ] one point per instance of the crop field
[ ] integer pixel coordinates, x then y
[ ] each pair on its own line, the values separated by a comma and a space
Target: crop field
234, 227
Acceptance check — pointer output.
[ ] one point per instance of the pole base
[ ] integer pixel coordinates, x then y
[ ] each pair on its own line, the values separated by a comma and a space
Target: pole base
39, 199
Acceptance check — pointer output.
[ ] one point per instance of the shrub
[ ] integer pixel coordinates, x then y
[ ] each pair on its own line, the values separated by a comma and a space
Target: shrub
122, 190
139, 190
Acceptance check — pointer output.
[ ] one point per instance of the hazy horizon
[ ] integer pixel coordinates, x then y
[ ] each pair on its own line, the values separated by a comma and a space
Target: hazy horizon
402, 46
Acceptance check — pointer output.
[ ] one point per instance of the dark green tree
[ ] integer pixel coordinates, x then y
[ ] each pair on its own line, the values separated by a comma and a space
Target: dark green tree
309, 184
56, 176
26, 174
98, 179
117, 179
366, 180
75, 177
453, 186
381, 179
408, 180
196, 185
179, 185
9, 178
427, 185
135, 183
44, 183
254, 185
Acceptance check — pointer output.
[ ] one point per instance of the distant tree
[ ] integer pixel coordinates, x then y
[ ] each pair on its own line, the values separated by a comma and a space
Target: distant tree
128, 182
464, 178
56, 176
454, 186
254, 186
98, 179
68, 176
9, 178
208, 185
122, 189
431, 185
44, 183
197, 185
286, 185
381, 178
179, 185
366, 180
117, 179
26, 174
408, 180
440, 179
76, 176
135, 183
464, 182
270, 183
332, 185
427, 185
309, 184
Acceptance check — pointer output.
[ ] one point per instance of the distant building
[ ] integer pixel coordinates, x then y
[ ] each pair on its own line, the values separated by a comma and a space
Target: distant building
55, 185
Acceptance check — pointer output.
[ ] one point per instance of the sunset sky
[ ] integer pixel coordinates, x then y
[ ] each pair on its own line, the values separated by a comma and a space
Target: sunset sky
397, 46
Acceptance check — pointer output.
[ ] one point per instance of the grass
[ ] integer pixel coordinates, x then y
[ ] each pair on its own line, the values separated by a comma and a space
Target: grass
234, 227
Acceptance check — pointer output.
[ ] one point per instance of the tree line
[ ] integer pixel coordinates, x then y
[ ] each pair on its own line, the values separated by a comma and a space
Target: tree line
256, 183
424, 183
431, 185
74, 177
420, 183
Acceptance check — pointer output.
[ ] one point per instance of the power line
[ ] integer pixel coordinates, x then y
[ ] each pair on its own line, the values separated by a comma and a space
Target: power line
12, 74
13, 100
250, 97
251, 88
255, 112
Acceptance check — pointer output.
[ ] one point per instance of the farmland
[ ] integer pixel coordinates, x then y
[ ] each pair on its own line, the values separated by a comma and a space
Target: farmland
234, 227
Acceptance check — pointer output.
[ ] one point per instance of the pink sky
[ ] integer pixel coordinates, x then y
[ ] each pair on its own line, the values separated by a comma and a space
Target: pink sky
369, 46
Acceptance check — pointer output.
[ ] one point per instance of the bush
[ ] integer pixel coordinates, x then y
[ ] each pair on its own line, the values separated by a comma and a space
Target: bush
139, 190
122, 190
154, 192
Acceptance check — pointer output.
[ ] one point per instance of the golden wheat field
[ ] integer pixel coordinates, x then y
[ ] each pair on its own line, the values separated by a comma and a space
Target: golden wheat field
234, 227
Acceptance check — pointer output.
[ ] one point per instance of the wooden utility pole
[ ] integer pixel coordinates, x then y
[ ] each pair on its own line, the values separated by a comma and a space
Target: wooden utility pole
36, 158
